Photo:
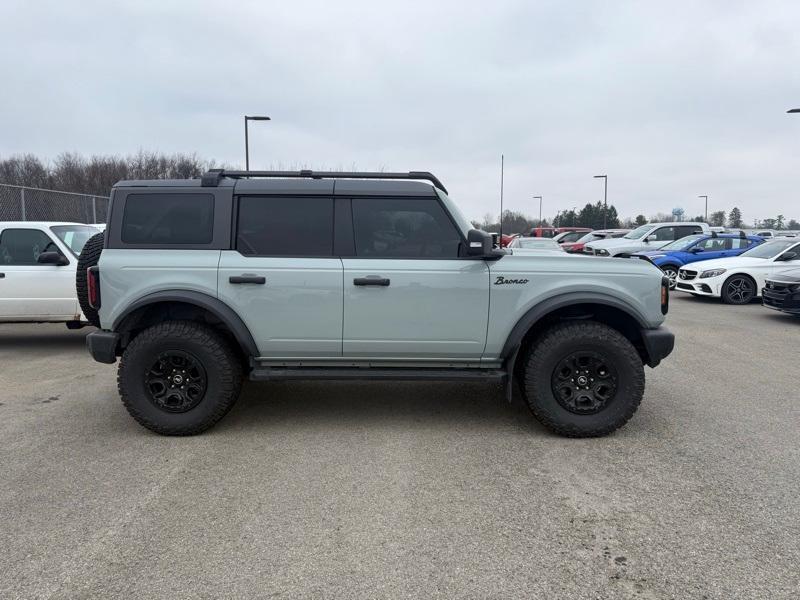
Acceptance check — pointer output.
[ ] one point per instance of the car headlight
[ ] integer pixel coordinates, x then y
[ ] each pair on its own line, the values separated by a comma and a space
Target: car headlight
601, 252
711, 273
655, 256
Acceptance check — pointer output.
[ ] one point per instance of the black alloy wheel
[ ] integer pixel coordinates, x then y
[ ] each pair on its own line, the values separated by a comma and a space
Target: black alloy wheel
176, 382
584, 382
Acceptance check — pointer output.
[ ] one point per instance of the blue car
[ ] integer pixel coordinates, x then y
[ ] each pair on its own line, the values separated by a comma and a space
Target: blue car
693, 248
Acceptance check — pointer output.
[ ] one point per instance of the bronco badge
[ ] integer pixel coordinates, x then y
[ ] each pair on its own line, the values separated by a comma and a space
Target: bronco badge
503, 281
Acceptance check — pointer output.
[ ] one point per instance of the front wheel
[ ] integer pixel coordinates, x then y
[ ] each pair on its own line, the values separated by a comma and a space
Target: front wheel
179, 377
583, 379
738, 289
671, 272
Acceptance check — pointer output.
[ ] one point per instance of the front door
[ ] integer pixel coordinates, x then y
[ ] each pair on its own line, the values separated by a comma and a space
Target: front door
282, 277
29, 290
407, 294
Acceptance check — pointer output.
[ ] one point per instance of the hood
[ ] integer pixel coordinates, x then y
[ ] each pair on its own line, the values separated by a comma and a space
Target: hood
543, 261
536, 252
790, 276
732, 262
651, 253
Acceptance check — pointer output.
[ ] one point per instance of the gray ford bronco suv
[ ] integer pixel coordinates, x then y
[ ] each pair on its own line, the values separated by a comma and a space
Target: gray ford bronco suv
269, 275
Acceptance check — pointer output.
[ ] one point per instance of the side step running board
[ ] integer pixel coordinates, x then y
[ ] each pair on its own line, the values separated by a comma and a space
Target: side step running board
401, 374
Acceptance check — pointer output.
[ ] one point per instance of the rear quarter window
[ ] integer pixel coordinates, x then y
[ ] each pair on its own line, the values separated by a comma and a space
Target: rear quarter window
165, 219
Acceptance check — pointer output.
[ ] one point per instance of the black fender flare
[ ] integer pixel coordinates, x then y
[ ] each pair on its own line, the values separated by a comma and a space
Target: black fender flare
213, 305
513, 342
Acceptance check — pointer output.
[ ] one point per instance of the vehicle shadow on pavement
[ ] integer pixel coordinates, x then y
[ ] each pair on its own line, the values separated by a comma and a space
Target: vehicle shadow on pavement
325, 404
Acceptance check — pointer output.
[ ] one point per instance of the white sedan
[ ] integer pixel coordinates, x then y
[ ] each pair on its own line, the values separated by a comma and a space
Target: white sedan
739, 279
37, 271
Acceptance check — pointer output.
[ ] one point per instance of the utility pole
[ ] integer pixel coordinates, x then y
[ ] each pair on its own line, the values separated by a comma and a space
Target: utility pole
540, 209
605, 198
706, 197
247, 141
502, 161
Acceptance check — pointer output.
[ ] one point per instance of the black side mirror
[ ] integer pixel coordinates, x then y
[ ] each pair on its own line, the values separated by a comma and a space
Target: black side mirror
480, 245
52, 258
696, 249
788, 256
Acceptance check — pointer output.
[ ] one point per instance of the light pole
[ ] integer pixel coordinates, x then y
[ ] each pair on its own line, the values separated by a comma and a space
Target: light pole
706, 197
605, 198
540, 209
246, 141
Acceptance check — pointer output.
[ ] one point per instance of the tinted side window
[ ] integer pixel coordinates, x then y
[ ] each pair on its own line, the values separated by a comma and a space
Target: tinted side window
168, 219
685, 230
739, 243
23, 246
664, 234
403, 228
285, 226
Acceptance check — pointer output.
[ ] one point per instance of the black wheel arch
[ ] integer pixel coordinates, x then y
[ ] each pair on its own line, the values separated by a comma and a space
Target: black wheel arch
575, 306
185, 305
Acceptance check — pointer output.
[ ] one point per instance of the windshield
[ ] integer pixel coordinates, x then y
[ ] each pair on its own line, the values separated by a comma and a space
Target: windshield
535, 244
638, 232
682, 243
589, 237
769, 249
461, 221
74, 236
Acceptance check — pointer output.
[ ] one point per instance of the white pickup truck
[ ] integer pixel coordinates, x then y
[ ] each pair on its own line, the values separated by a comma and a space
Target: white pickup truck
37, 271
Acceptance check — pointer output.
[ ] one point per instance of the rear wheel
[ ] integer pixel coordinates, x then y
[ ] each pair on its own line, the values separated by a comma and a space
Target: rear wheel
583, 379
179, 378
738, 289
89, 257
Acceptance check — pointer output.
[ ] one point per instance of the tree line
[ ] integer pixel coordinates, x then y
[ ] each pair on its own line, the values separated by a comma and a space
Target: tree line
595, 217
71, 172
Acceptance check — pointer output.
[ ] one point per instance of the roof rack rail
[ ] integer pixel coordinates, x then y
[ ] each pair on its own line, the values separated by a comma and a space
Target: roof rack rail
213, 176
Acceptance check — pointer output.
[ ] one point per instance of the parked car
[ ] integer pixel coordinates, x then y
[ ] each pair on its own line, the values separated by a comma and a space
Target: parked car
37, 271
647, 237
551, 232
598, 234
311, 275
740, 279
698, 247
782, 292
535, 244
568, 237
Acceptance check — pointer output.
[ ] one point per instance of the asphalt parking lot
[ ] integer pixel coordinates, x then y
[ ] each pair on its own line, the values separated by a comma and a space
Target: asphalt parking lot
339, 490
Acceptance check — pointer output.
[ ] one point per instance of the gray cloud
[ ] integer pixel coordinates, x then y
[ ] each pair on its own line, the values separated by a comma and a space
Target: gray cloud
671, 100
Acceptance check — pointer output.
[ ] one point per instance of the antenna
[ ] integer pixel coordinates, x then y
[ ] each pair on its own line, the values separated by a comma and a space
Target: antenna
502, 160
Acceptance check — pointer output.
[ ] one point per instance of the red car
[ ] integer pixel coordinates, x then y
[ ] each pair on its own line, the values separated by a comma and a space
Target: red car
600, 234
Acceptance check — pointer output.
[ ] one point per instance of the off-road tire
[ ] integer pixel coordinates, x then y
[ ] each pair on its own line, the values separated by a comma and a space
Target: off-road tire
89, 257
730, 297
563, 340
222, 367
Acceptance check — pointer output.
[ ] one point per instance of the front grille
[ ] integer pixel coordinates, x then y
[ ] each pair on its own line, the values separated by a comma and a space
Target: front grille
774, 294
685, 286
687, 275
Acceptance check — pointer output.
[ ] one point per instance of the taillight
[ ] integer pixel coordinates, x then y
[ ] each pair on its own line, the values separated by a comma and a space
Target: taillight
93, 286
664, 295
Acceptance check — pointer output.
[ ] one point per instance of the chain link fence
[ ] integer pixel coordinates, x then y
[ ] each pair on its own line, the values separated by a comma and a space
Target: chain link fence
34, 204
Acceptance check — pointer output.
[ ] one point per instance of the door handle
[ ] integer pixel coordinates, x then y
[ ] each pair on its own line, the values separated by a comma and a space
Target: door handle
372, 280
248, 279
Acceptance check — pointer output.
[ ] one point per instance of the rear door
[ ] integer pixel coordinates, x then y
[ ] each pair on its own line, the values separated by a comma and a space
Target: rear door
407, 293
282, 277
29, 290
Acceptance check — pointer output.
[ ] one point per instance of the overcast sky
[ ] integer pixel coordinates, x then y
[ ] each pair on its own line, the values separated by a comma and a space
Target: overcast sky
670, 99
